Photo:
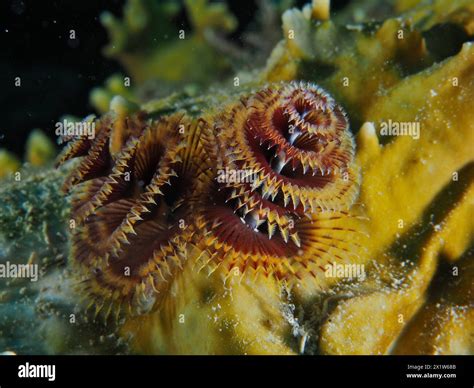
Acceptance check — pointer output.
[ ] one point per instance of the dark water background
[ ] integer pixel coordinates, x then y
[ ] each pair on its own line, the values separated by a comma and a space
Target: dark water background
56, 73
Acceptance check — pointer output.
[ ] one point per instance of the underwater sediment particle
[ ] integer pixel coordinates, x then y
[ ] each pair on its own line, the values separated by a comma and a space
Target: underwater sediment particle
287, 213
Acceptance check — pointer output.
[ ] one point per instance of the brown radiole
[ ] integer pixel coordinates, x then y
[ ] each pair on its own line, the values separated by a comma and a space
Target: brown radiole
147, 192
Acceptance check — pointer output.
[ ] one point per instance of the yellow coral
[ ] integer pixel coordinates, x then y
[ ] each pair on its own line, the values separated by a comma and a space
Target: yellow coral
417, 194
39, 149
8, 163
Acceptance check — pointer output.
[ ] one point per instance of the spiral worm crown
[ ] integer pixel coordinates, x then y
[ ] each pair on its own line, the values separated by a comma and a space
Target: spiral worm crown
294, 142
145, 191
129, 188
